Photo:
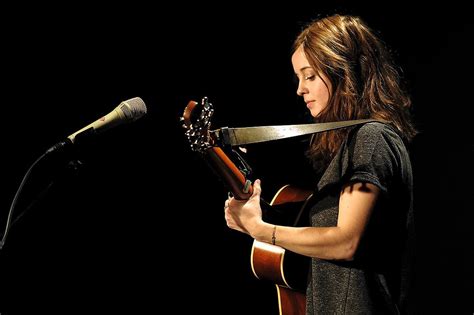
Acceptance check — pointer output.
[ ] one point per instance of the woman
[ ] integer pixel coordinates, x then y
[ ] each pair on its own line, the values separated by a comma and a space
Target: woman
362, 232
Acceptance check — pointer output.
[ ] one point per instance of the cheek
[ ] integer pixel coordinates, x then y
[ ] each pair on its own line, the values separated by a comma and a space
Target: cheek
323, 96
322, 93
324, 103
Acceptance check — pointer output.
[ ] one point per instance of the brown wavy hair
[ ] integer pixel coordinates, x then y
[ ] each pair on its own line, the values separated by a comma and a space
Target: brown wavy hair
365, 81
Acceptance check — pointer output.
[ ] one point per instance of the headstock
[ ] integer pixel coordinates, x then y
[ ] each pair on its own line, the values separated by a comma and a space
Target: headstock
197, 122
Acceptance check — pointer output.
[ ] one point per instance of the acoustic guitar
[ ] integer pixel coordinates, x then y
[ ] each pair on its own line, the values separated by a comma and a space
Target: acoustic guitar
287, 270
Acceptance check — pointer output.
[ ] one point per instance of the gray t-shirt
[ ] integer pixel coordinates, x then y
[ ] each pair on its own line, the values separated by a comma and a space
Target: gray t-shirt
375, 282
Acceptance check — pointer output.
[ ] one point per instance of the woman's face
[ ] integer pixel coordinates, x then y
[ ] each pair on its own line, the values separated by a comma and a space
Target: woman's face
311, 86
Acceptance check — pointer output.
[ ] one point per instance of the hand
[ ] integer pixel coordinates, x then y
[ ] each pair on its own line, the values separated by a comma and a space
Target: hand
244, 215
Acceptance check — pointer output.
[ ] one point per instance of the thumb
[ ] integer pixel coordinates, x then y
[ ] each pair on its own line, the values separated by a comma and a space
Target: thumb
257, 189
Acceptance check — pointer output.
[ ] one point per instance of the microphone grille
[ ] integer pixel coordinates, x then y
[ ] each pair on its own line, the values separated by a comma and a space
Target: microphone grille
133, 108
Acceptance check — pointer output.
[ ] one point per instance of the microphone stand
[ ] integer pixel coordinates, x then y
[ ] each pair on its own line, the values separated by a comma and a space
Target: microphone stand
72, 167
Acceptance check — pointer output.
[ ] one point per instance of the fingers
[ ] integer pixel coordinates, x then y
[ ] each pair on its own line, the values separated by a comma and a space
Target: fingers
229, 218
257, 191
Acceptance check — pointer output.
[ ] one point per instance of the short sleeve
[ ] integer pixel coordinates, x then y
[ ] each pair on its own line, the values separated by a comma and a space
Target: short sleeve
372, 155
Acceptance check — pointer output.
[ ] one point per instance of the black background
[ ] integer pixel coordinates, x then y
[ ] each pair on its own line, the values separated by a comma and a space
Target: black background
140, 226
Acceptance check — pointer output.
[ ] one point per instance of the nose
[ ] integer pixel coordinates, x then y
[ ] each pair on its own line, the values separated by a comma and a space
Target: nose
301, 90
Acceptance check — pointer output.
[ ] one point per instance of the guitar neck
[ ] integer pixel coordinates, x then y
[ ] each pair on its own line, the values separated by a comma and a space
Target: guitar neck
233, 178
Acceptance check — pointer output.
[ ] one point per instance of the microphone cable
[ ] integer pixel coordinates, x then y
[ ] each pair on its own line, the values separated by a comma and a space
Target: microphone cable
15, 199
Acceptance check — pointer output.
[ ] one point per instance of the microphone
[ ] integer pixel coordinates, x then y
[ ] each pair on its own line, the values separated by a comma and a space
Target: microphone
126, 112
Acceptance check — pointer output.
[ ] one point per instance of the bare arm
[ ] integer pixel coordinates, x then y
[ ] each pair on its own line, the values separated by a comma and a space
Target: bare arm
340, 242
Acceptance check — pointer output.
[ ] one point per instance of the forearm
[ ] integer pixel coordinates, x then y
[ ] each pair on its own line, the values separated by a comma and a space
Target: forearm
320, 242
336, 243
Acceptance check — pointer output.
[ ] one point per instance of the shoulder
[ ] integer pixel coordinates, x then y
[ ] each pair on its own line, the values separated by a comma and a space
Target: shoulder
376, 142
374, 129
372, 153
373, 134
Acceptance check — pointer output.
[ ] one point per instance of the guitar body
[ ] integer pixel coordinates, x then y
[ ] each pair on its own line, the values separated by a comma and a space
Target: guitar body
284, 268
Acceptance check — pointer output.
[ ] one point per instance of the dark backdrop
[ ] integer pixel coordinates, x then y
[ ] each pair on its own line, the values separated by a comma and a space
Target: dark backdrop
139, 226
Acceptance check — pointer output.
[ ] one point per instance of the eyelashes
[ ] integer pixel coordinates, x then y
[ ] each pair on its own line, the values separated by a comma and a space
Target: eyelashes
305, 78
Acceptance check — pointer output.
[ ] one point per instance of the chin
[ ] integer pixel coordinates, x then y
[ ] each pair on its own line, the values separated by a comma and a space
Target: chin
314, 113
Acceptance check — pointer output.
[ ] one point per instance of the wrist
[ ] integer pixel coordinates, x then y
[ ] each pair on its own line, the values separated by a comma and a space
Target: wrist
265, 232
274, 235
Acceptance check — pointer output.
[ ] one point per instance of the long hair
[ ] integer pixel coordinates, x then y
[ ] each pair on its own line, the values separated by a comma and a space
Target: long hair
365, 82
